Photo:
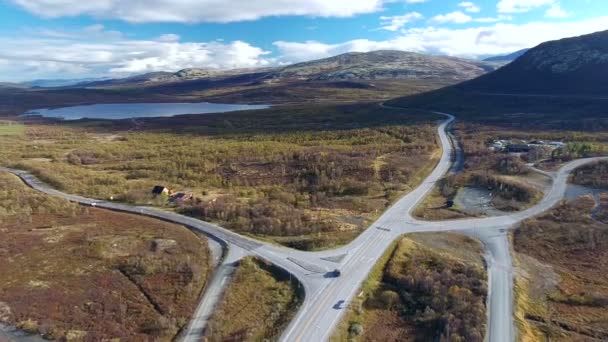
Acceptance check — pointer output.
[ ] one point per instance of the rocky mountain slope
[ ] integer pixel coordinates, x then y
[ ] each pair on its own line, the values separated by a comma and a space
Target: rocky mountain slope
377, 65
576, 65
384, 65
160, 77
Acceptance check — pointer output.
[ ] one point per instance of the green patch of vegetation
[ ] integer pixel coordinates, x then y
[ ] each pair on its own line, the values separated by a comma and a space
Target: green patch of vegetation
10, 128
257, 305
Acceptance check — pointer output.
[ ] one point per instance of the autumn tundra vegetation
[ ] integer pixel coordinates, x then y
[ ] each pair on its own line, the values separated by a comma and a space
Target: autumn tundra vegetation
561, 283
76, 273
258, 304
424, 288
306, 178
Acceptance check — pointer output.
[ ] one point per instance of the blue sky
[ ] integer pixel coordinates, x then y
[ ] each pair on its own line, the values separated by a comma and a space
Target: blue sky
101, 38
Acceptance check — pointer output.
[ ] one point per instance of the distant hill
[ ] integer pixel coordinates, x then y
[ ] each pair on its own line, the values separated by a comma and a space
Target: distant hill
57, 83
577, 66
384, 65
377, 65
507, 58
163, 77
10, 85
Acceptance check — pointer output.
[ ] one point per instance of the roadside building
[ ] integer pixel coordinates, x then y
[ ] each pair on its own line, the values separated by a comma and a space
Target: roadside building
518, 148
180, 197
160, 190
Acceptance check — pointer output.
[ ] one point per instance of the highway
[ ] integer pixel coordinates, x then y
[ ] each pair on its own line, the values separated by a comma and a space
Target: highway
317, 317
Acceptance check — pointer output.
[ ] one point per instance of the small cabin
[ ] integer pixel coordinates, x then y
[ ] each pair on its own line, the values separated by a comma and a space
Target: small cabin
518, 148
181, 197
160, 190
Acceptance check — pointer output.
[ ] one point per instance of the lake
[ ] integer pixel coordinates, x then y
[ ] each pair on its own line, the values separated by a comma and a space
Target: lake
117, 111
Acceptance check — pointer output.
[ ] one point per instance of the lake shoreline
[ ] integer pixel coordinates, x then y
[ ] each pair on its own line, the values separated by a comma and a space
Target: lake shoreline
121, 111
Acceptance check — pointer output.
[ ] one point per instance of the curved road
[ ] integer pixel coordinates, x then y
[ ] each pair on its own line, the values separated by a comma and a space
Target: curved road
318, 315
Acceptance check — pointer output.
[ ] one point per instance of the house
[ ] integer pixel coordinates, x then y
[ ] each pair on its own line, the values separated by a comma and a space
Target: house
557, 144
537, 142
180, 197
518, 148
160, 190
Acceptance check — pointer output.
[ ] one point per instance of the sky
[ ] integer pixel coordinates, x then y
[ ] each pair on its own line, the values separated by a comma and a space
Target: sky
74, 39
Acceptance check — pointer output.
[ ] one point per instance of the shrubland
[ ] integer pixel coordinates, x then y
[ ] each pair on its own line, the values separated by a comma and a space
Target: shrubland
561, 256
257, 305
74, 271
424, 289
593, 175
318, 175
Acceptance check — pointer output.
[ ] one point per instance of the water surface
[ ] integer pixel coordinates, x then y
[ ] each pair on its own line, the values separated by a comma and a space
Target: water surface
118, 111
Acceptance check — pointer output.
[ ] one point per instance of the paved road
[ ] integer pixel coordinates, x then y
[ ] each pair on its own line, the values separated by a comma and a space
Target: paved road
213, 294
318, 314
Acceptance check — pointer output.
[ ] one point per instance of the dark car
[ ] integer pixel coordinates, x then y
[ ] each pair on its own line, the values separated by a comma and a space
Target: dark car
338, 305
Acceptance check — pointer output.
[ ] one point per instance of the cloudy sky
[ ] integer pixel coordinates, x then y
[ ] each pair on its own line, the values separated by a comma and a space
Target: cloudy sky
114, 38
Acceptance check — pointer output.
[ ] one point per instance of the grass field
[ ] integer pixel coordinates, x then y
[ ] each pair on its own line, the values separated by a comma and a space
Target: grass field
11, 128
425, 286
93, 274
257, 305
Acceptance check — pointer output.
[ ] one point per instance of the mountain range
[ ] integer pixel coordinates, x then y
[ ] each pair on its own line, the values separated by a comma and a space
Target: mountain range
575, 66
377, 65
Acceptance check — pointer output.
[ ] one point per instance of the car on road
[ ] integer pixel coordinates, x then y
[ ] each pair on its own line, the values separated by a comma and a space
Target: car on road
338, 305
333, 274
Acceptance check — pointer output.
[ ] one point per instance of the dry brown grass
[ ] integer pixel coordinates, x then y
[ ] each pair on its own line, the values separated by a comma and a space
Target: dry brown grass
70, 270
570, 244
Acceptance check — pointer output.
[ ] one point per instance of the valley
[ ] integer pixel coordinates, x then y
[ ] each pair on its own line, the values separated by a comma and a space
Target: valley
382, 195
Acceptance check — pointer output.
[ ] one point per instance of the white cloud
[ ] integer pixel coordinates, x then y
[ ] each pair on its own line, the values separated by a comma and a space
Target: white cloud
494, 39
201, 10
95, 51
501, 17
395, 23
169, 37
104, 53
521, 6
456, 17
556, 11
470, 7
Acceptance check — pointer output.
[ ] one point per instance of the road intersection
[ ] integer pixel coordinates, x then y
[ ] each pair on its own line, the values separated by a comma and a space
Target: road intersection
319, 313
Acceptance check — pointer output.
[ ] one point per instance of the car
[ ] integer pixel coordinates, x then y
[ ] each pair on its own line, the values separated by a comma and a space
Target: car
338, 305
336, 273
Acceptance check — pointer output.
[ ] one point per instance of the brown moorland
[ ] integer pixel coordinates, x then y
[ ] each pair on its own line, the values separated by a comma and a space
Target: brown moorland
94, 274
562, 284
